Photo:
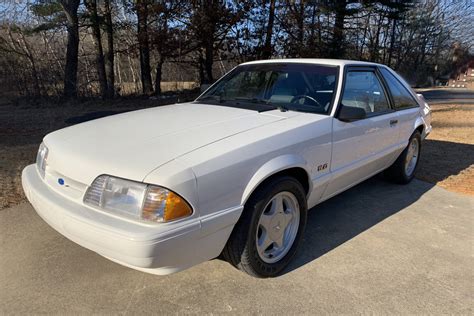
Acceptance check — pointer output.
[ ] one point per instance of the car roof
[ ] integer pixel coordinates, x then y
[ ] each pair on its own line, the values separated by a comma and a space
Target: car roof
319, 61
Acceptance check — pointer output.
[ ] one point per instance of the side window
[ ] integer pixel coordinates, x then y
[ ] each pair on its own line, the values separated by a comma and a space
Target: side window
363, 89
401, 96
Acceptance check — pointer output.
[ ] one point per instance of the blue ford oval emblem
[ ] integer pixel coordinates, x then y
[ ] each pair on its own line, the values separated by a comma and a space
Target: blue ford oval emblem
61, 181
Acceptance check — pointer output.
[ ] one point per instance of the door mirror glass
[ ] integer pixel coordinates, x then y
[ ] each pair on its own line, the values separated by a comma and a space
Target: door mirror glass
351, 113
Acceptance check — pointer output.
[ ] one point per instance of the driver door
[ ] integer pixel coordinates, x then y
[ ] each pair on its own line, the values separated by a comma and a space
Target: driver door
363, 147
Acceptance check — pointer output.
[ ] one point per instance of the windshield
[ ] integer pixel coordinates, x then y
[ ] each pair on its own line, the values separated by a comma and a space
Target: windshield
291, 86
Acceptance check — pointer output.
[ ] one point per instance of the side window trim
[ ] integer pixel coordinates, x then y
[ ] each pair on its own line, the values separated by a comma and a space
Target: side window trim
386, 89
379, 68
375, 70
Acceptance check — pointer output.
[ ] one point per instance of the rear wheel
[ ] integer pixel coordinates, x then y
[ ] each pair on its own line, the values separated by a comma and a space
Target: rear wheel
270, 229
403, 169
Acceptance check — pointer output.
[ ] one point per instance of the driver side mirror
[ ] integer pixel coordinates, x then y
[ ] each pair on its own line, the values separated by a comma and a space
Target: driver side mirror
351, 113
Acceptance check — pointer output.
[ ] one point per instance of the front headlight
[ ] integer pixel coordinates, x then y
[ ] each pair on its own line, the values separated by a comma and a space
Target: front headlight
136, 199
41, 157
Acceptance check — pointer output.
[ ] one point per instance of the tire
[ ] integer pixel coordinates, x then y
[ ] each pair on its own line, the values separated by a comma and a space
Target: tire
399, 172
261, 212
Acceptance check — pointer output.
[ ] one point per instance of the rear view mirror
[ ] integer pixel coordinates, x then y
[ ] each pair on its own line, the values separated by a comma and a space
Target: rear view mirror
351, 113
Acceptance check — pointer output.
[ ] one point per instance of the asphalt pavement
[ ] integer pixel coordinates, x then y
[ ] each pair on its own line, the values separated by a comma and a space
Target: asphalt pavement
378, 248
446, 95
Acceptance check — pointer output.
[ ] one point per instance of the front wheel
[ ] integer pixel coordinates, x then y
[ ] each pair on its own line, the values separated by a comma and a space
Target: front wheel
270, 229
403, 169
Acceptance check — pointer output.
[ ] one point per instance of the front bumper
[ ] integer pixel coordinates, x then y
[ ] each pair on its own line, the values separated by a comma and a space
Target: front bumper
155, 248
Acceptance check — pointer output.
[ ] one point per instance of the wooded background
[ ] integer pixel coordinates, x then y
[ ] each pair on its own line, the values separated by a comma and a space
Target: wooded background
106, 48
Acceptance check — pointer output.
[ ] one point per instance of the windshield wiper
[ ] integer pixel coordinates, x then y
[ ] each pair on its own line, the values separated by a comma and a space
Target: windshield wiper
238, 100
271, 107
212, 97
282, 108
222, 100
252, 100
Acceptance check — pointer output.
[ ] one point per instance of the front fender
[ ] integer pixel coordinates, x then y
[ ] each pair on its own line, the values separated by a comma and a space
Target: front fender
272, 167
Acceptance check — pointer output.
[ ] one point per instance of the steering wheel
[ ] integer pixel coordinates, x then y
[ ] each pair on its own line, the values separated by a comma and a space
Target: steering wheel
304, 96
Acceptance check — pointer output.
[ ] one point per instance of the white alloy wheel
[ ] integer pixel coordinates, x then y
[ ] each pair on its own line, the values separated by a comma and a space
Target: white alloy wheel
412, 156
277, 227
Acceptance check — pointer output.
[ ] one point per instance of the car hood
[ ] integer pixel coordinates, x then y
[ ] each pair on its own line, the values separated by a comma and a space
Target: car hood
131, 145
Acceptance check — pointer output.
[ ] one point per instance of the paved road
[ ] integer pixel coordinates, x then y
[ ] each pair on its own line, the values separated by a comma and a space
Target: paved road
378, 248
440, 96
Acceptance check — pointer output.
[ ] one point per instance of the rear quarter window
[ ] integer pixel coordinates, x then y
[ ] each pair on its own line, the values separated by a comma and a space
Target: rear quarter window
402, 98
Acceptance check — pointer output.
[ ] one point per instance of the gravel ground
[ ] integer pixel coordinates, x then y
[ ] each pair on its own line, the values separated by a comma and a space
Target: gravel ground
447, 154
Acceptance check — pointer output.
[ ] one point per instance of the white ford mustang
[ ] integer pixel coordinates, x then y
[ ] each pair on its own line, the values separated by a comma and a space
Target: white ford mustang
233, 172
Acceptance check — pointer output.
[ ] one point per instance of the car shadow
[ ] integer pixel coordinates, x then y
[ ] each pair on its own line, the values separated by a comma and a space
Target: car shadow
442, 159
343, 217
348, 214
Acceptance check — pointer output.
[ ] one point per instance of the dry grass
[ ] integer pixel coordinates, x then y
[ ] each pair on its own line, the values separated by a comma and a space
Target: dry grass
447, 154
23, 126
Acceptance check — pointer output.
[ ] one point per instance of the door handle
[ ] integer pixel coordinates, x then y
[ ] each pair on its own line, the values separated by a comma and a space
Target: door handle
393, 122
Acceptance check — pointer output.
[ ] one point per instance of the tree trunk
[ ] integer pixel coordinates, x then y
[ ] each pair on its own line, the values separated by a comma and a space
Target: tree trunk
364, 36
374, 52
109, 55
392, 42
208, 61
206, 10
267, 47
320, 37
143, 43
70, 73
118, 71
313, 27
337, 50
201, 68
301, 18
159, 68
134, 75
96, 38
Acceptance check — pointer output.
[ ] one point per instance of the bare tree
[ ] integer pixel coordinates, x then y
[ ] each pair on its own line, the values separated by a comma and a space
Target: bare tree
132, 47
109, 55
91, 6
267, 47
70, 73
144, 46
